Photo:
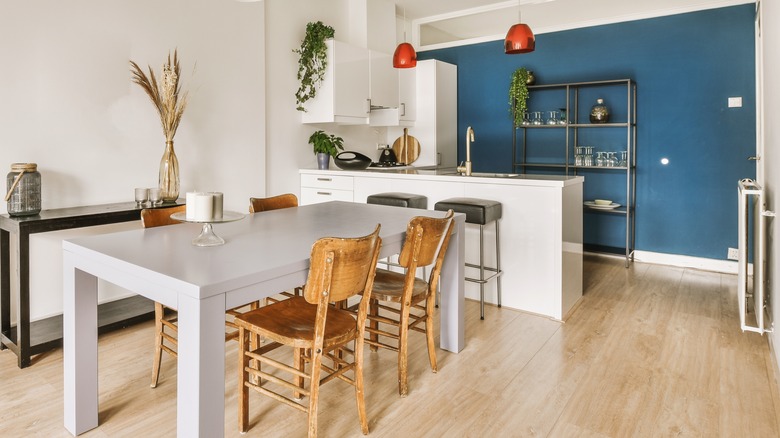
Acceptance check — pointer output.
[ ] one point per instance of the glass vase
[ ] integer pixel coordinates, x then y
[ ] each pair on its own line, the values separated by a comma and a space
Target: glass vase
169, 174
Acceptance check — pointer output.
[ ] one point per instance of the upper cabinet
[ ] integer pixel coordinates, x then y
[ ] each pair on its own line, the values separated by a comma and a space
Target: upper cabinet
344, 92
405, 112
383, 81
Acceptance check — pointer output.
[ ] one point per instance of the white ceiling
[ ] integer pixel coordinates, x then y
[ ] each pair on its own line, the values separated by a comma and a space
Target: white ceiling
487, 19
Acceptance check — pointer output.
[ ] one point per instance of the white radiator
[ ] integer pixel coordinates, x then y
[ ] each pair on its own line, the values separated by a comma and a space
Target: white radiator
752, 220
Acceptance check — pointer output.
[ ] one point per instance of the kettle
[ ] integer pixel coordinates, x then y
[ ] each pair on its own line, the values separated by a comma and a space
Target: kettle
388, 156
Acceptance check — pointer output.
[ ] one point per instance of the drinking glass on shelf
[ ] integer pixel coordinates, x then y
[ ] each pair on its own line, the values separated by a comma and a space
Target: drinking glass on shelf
562, 116
552, 117
526, 118
141, 196
601, 159
611, 159
623, 159
536, 118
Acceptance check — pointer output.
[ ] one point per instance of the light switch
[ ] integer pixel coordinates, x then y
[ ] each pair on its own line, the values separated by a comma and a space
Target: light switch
735, 102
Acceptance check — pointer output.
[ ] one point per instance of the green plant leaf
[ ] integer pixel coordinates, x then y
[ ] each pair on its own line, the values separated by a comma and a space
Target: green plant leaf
312, 61
518, 95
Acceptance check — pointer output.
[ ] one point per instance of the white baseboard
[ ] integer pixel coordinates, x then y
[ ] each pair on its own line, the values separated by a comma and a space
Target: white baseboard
682, 261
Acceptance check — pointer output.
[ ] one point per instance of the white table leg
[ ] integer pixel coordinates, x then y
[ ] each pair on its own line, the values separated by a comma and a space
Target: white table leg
80, 358
200, 410
452, 307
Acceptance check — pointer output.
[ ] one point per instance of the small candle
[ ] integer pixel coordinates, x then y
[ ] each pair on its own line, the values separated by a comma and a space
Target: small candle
217, 205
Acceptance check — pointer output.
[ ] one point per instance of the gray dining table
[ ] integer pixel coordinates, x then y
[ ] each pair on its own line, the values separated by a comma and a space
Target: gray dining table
264, 254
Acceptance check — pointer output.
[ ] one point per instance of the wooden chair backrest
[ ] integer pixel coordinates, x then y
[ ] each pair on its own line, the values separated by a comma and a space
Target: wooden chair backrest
342, 267
426, 238
156, 217
287, 200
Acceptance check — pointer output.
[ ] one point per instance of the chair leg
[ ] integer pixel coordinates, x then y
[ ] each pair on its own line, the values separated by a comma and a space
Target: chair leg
498, 266
373, 309
159, 313
359, 392
403, 347
243, 396
314, 391
298, 364
481, 272
429, 331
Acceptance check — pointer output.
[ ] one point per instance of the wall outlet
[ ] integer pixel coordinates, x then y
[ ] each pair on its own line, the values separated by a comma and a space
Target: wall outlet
733, 254
380, 146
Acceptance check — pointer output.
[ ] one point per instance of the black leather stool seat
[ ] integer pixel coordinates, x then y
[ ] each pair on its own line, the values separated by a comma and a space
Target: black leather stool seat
477, 211
397, 199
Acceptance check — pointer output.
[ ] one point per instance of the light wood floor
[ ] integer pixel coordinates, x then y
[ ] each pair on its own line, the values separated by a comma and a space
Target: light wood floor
651, 351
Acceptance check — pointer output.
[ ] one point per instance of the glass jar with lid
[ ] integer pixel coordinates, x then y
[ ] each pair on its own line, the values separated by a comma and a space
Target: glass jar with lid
599, 113
24, 190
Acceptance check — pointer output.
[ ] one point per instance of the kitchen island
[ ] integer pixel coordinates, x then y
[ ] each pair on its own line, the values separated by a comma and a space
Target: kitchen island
541, 226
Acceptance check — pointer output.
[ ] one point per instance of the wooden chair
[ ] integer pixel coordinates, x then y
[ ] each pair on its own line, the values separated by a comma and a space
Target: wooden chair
257, 205
165, 326
287, 200
413, 298
316, 330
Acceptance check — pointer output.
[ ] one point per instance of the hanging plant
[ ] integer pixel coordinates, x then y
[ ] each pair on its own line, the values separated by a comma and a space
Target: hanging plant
518, 94
312, 62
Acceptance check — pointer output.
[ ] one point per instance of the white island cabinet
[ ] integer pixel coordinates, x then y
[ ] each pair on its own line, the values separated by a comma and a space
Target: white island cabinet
541, 228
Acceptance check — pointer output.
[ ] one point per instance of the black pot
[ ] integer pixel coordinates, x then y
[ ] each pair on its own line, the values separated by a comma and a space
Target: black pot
349, 160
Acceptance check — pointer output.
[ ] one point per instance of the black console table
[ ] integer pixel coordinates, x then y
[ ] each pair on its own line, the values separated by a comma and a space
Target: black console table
29, 338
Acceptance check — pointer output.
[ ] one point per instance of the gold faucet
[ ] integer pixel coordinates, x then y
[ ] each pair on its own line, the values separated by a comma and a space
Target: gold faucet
466, 169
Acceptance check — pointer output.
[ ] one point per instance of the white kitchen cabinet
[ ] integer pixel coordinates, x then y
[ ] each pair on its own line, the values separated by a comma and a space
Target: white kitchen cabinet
407, 93
343, 94
406, 111
383, 80
435, 114
324, 187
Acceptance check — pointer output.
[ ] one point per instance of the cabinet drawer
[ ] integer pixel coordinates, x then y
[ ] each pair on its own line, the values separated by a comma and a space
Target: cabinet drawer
335, 182
312, 195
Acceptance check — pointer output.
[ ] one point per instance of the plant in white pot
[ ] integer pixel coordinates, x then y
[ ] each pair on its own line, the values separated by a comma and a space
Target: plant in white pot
325, 146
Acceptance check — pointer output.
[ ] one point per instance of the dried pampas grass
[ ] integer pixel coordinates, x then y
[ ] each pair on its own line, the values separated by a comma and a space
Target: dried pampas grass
166, 94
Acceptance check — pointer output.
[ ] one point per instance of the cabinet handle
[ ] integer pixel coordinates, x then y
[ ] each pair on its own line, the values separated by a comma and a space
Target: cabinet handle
324, 179
324, 193
403, 109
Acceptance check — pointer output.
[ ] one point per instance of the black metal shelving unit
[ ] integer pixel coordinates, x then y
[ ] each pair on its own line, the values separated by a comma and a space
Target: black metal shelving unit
570, 133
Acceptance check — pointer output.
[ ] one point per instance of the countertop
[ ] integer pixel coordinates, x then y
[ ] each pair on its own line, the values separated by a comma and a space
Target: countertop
451, 175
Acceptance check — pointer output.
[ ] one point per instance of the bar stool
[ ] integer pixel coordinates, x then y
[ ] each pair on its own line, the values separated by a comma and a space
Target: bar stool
397, 199
481, 212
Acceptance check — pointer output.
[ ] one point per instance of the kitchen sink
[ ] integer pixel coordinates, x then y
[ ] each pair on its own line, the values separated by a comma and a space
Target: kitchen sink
486, 175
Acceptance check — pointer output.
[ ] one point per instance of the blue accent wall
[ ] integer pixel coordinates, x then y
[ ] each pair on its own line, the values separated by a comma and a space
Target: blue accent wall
686, 66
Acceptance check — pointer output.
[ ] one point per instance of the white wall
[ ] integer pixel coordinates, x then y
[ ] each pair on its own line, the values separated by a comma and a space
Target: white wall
67, 103
770, 29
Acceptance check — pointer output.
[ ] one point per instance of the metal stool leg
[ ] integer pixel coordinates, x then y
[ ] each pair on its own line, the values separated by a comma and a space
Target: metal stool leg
498, 267
481, 272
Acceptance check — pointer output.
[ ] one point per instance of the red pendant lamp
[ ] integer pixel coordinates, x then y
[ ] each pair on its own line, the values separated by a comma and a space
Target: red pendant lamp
405, 55
519, 39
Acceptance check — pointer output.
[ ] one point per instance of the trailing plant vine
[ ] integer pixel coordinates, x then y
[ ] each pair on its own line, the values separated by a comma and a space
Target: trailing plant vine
312, 61
518, 94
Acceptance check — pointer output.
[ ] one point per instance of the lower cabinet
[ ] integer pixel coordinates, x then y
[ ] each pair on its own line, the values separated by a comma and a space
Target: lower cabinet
325, 187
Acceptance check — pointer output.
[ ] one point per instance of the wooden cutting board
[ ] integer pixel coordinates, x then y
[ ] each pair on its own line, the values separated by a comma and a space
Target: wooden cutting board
406, 148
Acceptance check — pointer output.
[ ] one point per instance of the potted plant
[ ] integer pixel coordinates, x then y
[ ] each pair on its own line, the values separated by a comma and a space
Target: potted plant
518, 94
312, 62
325, 146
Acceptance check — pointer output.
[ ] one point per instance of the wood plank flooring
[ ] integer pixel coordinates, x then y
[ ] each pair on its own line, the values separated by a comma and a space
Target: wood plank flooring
651, 351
